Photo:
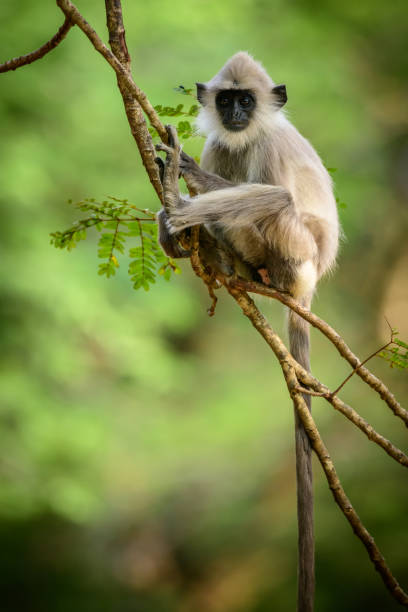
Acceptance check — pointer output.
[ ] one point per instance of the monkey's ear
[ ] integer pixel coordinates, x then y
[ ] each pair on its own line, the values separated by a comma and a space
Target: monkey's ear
200, 92
280, 95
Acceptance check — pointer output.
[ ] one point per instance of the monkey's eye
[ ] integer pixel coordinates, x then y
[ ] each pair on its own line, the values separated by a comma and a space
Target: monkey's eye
245, 101
224, 101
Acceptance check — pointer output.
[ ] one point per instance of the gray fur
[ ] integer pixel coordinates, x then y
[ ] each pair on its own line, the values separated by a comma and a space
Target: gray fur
267, 200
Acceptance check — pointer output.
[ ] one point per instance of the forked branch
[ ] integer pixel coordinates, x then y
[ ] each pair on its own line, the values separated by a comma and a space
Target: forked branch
361, 371
338, 492
289, 370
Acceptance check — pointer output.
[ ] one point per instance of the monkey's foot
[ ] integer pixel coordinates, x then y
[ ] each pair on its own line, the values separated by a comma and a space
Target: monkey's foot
160, 167
263, 273
163, 147
172, 139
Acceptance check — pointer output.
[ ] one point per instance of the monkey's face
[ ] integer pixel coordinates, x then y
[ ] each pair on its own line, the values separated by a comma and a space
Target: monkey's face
235, 108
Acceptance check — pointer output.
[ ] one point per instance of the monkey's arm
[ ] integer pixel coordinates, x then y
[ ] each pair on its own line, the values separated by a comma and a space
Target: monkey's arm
167, 240
198, 179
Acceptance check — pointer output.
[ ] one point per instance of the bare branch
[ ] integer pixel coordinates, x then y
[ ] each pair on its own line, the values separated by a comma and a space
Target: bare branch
287, 363
382, 348
321, 390
261, 324
72, 12
23, 60
137, 123
363, 372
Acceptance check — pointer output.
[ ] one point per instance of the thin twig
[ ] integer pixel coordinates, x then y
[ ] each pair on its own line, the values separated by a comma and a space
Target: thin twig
335, 392
313, 393
361, 371
23, 60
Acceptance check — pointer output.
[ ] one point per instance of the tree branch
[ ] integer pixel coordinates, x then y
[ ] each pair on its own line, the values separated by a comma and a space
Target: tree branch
341, 385
75, 16
321, 390
361, 371
261, 324
23, 60
137, 123
289, 370
338, 492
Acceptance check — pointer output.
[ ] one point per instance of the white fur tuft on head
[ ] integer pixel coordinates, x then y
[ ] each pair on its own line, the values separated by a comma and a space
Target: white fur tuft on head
241, 72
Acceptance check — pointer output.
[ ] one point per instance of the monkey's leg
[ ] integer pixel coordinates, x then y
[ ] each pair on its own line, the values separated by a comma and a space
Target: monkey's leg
170, 172
263, 273
215, 253
198, 179
167, 240
266, 211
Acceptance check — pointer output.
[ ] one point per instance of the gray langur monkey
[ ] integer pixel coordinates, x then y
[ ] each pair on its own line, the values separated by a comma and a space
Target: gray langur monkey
267, 200
264, 194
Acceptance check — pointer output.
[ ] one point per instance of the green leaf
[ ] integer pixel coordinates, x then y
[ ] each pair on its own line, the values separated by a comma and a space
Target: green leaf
117, 222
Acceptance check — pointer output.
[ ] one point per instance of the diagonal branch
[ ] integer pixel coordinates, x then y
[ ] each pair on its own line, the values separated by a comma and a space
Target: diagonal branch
75, 16
23, 60
363, 372
289, 370
338, 492
137, 123
280, 350
321, 390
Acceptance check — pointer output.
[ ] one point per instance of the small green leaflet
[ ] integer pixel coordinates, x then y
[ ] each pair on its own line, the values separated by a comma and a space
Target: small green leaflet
120, 224
184, 128
396, 353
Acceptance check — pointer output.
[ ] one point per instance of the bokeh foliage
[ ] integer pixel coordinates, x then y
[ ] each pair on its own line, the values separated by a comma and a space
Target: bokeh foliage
146, 450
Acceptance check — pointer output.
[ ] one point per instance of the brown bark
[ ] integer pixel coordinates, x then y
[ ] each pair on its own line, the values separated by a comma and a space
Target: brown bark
132, 94
289, 370
137, 123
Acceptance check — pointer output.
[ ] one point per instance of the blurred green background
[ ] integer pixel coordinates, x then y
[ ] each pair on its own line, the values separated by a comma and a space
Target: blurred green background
146, 451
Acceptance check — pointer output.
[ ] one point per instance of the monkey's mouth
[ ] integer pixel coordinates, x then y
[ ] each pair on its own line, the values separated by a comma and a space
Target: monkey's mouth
236, 126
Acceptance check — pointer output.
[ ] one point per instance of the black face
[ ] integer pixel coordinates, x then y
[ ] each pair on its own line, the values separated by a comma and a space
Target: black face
235, 107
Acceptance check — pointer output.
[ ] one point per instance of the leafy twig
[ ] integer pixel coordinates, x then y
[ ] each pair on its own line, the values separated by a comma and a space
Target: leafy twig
147, 260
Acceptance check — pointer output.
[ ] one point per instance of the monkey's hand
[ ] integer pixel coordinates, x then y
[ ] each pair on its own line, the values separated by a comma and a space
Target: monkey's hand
189, 167
198, 179
167, 240
173, 144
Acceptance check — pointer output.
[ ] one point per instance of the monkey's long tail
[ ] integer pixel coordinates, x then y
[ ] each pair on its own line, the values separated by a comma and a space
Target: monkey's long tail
299, 343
